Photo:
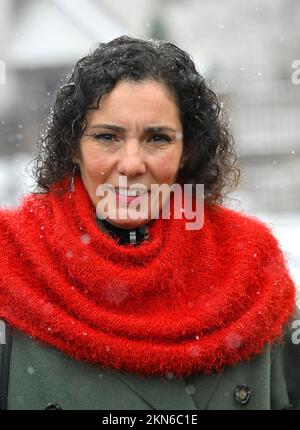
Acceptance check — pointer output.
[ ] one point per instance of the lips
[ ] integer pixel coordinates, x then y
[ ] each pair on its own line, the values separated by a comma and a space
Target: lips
141, 191
128, 199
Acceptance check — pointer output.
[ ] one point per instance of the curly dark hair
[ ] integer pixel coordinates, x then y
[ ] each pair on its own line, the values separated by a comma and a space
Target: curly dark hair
208, 151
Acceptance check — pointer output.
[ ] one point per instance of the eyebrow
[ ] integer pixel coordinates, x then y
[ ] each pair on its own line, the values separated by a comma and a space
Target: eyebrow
153, 129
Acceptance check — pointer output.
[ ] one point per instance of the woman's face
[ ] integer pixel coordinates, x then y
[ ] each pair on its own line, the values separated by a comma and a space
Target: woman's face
117, 143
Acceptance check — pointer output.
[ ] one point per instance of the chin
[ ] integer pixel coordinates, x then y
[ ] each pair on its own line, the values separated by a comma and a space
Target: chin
127, 223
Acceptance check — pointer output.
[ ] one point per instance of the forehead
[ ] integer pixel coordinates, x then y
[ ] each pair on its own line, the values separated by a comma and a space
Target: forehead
137, 103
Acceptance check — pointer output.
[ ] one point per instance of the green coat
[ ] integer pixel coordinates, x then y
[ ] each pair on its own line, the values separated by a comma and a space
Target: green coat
41, 375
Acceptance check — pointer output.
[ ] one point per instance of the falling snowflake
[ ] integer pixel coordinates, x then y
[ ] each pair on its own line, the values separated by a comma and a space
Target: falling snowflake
115, 292
234, 341
194, 351
170, 375
85, 239
30, 370
190, 389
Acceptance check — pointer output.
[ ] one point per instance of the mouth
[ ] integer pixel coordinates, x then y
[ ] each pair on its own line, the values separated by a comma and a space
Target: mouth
127, 192
125, 195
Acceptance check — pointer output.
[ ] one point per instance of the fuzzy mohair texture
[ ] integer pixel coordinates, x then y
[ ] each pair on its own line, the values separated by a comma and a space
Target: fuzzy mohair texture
183, 301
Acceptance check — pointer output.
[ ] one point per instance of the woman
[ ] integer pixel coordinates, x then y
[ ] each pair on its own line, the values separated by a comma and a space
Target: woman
104, 311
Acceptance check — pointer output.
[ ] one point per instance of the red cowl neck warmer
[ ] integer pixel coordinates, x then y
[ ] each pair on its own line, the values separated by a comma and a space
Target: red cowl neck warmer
183, 301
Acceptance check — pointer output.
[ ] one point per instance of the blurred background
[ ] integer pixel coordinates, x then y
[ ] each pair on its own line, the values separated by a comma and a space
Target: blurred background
249, 51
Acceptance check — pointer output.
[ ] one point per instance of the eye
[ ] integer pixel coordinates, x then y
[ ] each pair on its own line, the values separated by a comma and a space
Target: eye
108, 137
161, 137
104, 136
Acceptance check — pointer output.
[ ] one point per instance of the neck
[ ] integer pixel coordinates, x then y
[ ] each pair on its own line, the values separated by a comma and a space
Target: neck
124, 236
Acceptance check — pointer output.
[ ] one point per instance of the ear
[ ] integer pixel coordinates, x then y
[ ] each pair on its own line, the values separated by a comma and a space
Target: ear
76, 159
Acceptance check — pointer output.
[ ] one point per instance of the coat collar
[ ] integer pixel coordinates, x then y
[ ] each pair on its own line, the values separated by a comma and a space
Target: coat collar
160, 393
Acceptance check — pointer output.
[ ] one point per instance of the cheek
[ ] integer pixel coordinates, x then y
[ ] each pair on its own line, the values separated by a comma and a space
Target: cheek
93, 164
166, 168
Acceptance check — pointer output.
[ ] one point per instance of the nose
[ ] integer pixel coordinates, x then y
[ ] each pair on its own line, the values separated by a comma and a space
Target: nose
131, 162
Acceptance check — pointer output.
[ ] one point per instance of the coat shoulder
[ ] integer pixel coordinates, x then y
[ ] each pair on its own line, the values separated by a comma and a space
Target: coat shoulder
285, 366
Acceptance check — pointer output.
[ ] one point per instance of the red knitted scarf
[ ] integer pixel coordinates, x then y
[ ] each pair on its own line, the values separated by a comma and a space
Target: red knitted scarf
183, 301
